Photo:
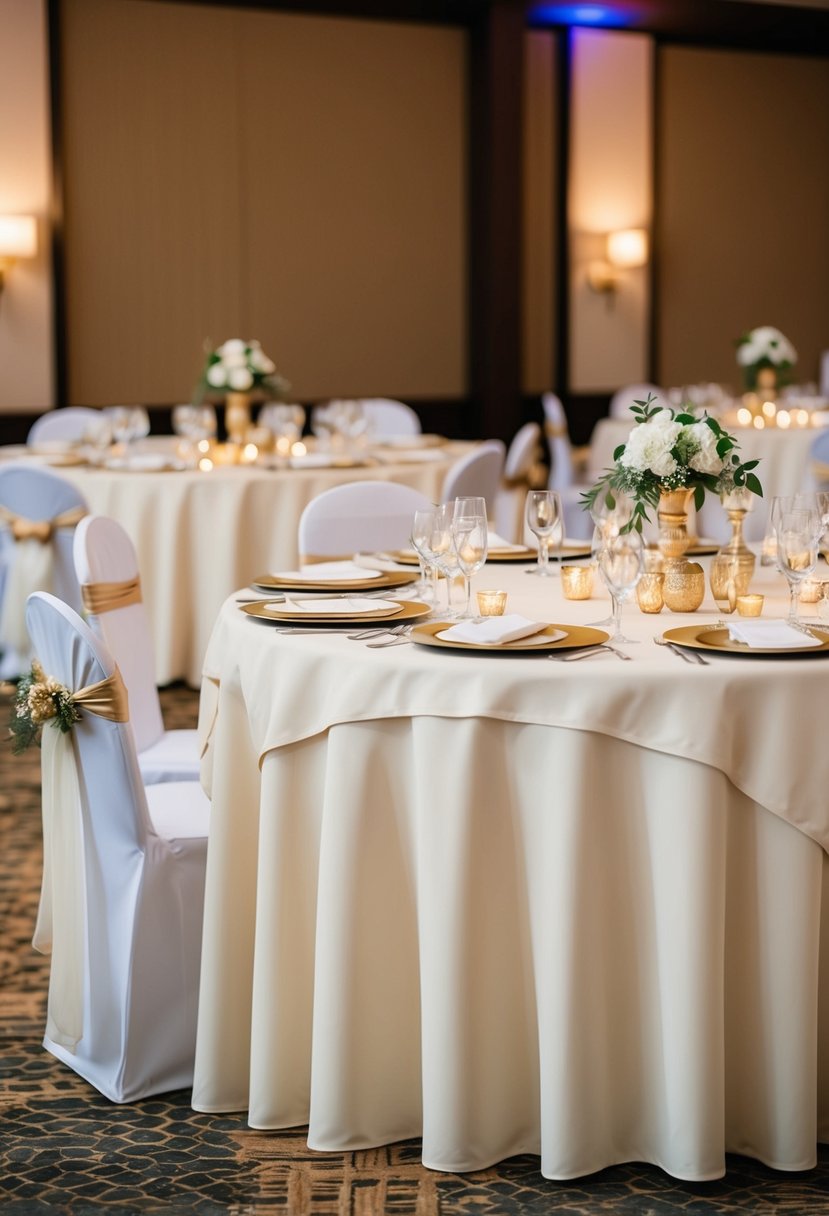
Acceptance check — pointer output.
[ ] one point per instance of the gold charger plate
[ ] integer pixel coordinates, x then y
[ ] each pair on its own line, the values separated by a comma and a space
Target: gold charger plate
703, 550
406, 610
704, 637
386, 578
569, 553
577, 637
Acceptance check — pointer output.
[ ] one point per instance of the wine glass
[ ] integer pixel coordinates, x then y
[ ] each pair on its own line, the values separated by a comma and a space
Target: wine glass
544, 518
469, 536
620, 565
97, 437
796, 554
194, 424
423, 529
443, 548
779, 504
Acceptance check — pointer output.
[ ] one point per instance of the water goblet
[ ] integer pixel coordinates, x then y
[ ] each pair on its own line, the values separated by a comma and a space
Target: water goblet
620, 565
97, 437
423, 529
444, 550
469, 537
544, 519
796, 554
779, 504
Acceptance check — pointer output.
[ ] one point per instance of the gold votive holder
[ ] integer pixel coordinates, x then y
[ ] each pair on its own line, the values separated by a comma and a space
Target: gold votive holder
492, 603
750, 605
652, 561
811, 590
577, 582
649, 591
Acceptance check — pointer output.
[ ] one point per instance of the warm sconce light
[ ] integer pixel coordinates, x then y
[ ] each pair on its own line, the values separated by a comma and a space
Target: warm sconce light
626, 250
18, 239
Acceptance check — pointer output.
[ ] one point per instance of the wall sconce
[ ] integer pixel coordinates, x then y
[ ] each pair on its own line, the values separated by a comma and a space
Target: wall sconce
18, 239
626, 250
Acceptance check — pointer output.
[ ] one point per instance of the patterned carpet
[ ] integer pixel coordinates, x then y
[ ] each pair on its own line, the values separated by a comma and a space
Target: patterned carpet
65, 1149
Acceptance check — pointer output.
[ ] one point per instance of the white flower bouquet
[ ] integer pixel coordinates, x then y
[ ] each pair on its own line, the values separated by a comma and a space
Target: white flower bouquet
240, 367
762, 348
667, 451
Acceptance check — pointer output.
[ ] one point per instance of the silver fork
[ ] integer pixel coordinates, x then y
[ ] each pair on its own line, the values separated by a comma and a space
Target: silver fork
693, 657
400, 636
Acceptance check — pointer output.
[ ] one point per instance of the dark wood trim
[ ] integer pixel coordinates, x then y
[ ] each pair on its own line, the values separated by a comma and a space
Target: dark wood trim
57, 213
652, 362
440, 12
584, 410
563, 78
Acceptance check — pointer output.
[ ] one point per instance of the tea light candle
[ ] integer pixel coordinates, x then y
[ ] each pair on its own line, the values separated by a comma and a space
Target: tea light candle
577, 582
810, 590
649, 591
750, 605
492, 603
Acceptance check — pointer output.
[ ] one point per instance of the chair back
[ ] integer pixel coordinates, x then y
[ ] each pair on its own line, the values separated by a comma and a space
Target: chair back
819, 460
562, 471
522, 452
64, 425
104, 553
624, 398
824, 374
388, 418
477, 474
360, 515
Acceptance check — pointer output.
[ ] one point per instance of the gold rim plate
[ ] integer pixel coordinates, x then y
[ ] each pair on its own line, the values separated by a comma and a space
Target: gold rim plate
406, 610
567, 554
703, 550
386, 578
576, 637
708, 638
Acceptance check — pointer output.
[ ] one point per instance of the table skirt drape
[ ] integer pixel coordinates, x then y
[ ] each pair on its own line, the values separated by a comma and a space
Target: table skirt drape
509, 937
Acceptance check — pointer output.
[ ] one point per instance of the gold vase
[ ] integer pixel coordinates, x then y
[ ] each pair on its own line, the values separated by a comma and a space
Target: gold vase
767, 383
737, 503
237, 416
684, 587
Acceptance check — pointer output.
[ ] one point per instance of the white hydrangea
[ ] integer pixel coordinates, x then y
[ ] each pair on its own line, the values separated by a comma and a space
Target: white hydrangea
649, 446
240, 379
766, 342
217, 375
233, 346
705, 458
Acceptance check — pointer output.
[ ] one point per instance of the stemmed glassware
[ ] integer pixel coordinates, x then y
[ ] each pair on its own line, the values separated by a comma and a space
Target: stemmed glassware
443, 548
194, 424
545, 520
796, 553
469, 536
128, 422
423, 530
620, 565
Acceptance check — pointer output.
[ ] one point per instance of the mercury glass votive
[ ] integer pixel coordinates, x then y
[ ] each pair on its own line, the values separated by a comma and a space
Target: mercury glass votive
810, 591
649, 591
750, 605
577, 582
492, 603
653, 561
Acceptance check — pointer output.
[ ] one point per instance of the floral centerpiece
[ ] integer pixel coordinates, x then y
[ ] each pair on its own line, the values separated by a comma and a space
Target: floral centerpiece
765, 350
39, 699
240, 367
666, 452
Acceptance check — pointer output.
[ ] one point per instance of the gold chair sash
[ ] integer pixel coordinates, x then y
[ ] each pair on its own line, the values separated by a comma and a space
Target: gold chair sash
820, 472
555, 430
41, 530
61, 917
106, 597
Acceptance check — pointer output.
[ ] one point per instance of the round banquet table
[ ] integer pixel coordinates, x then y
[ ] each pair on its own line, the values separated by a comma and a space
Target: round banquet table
200, 535
508, 905
784, 468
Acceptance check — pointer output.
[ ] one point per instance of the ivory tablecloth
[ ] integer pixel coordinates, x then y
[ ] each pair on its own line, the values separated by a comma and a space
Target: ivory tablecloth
511, 905
200, 535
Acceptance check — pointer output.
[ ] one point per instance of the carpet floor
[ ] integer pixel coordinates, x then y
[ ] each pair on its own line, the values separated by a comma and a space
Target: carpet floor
65, 1149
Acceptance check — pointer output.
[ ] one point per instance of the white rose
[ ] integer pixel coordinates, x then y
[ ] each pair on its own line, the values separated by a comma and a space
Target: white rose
216, 375
705, 459
261, 362
234, 358
240, 379
233, 346
649, 445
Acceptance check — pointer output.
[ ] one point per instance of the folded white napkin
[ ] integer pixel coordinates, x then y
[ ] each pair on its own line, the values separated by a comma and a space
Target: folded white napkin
769, 635
383, 565
494, 541
352, 604
493, 630
327, 572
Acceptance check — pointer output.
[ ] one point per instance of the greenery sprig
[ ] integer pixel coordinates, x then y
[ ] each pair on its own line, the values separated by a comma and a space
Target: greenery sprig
677, 451
39, 699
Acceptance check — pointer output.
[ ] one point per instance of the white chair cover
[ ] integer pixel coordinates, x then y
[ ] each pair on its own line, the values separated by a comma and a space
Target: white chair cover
387, 418
523, 456
142, 889
361, 515
33, 565
577, 522
64, 425
623, 399
103, 553
478, 474
824, 374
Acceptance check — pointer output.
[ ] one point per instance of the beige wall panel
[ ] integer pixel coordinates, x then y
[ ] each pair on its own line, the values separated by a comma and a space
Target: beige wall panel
234, 172
610, 187
152, 195
26, 381
354, 203
540, 193
744, 200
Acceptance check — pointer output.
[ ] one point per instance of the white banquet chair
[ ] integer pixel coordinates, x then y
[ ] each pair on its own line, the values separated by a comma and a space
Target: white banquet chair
565, 477
388, 419
477, 474
523, 471
123, 888
39, 511
106, 566
624, 398
62, 426
360, 516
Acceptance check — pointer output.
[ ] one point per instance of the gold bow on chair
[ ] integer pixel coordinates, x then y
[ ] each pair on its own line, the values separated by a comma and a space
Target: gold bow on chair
41, 530
106, 597
820, 472
61, 917
30, 567
555, 430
